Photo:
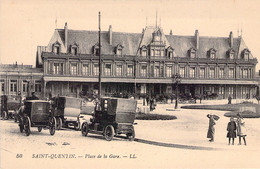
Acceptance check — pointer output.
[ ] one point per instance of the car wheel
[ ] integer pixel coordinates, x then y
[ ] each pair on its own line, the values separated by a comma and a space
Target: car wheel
131, 135
77, 126
109, 132
84, 129
39, 129
27, 126
5, 115
52, 125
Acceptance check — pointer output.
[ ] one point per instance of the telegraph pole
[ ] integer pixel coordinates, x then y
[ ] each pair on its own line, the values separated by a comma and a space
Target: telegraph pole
99, 63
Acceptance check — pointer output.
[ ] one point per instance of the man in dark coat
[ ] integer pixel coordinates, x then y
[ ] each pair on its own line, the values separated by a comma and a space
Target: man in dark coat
231, 128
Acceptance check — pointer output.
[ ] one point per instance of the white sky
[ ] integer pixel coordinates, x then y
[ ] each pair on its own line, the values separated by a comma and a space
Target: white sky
25, 24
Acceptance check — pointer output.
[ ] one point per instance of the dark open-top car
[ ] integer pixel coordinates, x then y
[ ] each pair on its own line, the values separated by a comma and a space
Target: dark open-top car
116, 116
9, 106
67, 111
36, 113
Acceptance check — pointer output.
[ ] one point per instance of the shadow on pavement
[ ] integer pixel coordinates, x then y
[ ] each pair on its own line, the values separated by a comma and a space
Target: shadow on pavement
174, 145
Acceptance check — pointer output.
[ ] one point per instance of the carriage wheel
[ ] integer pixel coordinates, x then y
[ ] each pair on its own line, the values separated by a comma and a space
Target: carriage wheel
77, 126
109, 132
59, 123
39, 129
27, 126
21, 126
85, 129
131, 135
52, 125
5, 115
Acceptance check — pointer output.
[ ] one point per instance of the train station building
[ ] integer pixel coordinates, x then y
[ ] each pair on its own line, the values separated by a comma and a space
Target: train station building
144, 63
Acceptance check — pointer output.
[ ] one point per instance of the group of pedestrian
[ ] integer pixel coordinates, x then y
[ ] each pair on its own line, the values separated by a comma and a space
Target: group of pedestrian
234, 128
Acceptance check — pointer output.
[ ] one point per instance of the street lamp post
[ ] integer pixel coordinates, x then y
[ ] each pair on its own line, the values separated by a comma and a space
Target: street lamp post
176, 79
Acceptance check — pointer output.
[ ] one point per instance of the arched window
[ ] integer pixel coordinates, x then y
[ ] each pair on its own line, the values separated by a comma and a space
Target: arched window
118, 50
231, 54
56, 48
212, 53
74, 49
245, 54
143, 51
192, 52
170, 52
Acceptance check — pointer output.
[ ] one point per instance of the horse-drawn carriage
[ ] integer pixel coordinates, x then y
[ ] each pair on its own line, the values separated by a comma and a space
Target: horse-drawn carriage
36, 113
9, 106
67, 111
112, 117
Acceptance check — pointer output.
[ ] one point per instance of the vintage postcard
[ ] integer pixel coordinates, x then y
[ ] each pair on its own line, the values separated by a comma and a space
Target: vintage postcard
129, 84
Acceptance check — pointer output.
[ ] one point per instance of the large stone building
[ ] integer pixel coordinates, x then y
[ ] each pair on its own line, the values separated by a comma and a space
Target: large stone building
16, 78
143, 63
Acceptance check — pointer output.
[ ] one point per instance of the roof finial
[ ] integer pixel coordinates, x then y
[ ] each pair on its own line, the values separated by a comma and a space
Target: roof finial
237, 32
146, 21
160, 22
156, 19
56, 23
241, 32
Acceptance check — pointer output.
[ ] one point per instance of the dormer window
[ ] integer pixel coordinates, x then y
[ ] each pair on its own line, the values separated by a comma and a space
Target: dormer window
169, 52
231, 54
74, 49
118, 50
143, 51
56, 48
96, 49
245, 54
212, 53
192, 53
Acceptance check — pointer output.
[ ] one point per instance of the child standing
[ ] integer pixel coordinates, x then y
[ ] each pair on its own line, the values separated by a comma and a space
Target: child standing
231, 128
241, 130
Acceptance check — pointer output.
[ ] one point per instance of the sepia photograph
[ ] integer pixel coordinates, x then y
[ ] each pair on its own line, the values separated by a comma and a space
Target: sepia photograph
117, 84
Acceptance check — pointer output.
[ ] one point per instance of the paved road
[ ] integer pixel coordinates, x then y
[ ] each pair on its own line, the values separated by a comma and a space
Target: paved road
159, 144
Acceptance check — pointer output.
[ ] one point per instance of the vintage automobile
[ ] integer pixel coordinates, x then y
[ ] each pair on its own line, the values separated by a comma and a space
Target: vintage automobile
66, 111
36, 113
112, 117
9, 106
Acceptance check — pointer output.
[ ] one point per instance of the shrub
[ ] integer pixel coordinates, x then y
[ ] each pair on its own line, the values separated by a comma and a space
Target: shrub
154, 117
244, 114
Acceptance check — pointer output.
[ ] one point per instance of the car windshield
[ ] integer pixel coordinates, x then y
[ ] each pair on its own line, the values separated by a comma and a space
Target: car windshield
73, 102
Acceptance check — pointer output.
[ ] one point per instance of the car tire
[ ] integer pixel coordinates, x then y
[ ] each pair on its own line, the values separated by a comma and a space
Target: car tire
109, 132
39, 129
27, 126
5, 115
131, 135
52, 125
84, 129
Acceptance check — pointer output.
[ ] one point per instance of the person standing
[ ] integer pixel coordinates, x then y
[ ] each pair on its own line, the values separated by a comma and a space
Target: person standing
229, 99
231, 128
211, 130
241, 129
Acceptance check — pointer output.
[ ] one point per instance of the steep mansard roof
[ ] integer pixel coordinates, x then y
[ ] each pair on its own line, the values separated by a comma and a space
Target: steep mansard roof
132, 42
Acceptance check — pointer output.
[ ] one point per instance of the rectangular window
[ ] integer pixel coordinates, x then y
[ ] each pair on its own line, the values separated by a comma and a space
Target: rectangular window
85, 69
143, 71
211, 73
13, 86
221, 90
143, 89
38, 87
96, 70
231, 55
212, 55
152, 52
231, 73
202, 72
157, 52
168, 71
245, 73
156, 71
2, 87
144, 53
130, 71
182, 71
192, 55
108, 70
192, 72
241, 73
221, 73
25, 86
73, 68
119, 69
58, 68
212, 89
119, 52
230, 90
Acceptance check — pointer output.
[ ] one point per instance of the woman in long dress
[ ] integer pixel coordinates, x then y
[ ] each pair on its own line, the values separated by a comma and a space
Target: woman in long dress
241, 129
231, 128
211, 130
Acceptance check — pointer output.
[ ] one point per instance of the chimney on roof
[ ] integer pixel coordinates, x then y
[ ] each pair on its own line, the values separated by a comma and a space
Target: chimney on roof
231, 40
66, 35
170, 32
197, 39
110, 34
